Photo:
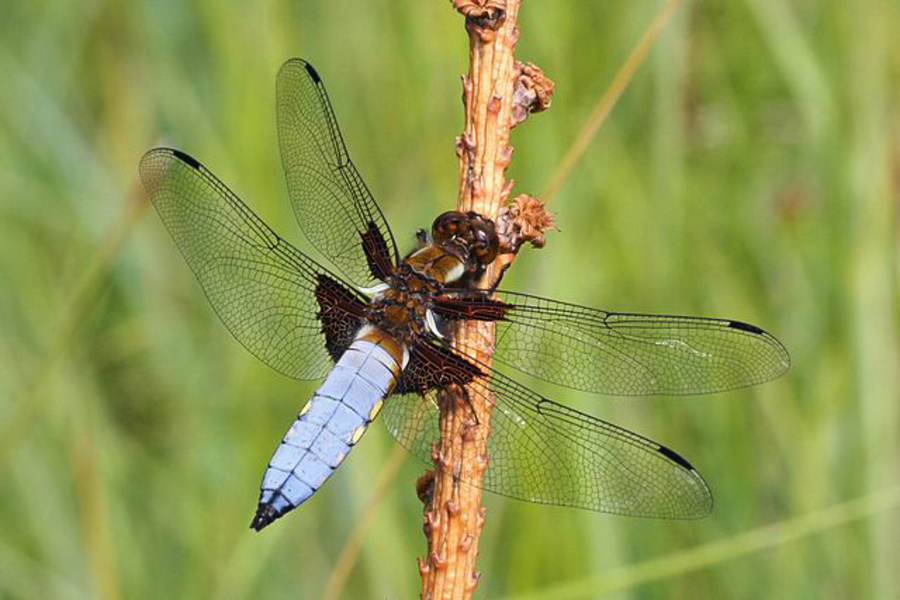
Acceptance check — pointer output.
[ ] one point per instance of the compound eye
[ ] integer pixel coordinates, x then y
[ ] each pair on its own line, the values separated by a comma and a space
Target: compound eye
486, 244
446, 226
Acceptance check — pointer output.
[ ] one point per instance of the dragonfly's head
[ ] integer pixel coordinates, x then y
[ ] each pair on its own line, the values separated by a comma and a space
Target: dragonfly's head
470, 235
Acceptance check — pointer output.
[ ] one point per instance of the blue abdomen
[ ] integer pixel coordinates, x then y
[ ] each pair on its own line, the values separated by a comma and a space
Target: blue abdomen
330, 424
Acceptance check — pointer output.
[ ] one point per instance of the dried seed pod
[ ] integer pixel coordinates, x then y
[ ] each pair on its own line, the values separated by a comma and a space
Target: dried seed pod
533, 92
524, 220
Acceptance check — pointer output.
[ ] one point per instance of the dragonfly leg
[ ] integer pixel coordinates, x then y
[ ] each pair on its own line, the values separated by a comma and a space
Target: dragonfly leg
459, 396
499, 278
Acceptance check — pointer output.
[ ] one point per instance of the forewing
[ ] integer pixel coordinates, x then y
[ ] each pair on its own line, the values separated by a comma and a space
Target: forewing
627, 354
335, 209
262, 288
541, 451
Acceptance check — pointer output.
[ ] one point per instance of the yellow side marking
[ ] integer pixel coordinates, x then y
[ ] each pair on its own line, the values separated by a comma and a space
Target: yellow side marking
375, 410
306, 408
341, 457
357, 434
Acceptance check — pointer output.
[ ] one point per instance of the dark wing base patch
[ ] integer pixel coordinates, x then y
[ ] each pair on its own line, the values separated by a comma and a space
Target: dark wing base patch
432, 367
378, 255
342, 313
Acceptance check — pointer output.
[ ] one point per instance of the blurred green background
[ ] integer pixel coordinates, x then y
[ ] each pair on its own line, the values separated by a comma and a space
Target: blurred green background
751, 170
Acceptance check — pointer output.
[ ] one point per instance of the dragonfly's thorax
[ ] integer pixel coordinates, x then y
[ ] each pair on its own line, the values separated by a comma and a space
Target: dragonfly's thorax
402, 309
460, 248
443, 264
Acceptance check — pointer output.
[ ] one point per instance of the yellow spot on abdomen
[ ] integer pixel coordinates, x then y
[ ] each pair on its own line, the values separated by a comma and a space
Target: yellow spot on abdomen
375, 410
357, 434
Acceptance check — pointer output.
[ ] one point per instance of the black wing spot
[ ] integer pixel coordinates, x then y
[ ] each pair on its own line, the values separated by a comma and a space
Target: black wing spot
186, 159
745, 327
672, 455
312, 72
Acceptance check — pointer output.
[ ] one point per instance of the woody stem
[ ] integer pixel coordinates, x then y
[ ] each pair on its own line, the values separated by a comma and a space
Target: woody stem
454, 518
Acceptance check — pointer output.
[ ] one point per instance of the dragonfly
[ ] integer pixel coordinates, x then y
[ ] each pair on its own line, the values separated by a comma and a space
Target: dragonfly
378, 327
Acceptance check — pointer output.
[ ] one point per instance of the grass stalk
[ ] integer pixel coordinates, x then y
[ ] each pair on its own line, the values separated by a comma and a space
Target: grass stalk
610, 97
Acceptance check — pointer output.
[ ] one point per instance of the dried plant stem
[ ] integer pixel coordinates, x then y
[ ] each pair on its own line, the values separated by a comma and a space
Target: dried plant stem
498, 92
454, 518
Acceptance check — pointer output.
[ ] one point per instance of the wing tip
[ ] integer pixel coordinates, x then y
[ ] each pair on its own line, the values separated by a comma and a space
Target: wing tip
784, 357
704, 505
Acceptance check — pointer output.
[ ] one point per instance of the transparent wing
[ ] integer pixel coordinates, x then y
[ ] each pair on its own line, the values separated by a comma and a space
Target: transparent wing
629, 354
541, 451
335, 209
262, 288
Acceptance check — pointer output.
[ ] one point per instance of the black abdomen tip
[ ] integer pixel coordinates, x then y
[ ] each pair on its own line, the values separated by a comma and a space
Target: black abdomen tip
265, 514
